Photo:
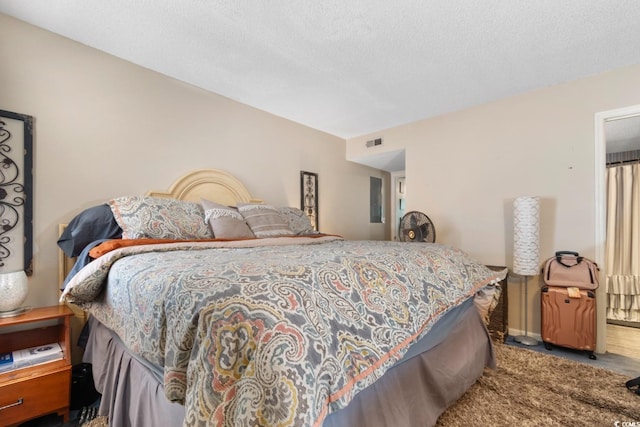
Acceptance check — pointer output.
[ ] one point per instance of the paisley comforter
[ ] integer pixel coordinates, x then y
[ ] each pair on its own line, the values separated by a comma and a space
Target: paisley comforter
274, 332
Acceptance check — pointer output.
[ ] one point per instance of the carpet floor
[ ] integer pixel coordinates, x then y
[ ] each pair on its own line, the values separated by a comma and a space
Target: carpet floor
533, 389
97, 422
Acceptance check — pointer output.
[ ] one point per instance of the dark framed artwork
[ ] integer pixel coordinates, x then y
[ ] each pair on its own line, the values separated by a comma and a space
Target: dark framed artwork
16, 192
309, 196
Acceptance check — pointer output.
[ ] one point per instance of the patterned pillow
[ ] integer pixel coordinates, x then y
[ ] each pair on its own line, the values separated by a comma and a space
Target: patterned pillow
159, 218
225, 222
297, 221
264, 220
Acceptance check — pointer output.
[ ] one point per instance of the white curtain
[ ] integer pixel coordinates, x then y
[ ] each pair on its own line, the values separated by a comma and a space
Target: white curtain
623, 243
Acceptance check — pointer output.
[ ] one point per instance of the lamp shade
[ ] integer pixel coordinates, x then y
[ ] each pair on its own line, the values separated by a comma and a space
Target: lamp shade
526, 235
13, 290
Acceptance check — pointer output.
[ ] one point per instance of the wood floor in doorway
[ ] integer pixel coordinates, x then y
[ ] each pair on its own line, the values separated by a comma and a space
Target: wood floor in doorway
623, 340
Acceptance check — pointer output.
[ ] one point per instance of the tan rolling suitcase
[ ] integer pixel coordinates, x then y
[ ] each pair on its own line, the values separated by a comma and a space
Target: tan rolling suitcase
569, 318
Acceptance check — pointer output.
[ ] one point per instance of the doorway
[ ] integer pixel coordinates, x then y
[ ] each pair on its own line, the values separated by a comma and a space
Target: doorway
617, 131
399, 202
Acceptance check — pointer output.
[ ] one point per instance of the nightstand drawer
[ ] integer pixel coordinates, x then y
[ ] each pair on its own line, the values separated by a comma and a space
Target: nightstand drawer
35, 396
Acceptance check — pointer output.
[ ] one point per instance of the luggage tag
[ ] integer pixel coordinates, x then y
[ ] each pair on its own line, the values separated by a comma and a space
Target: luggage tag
573, 292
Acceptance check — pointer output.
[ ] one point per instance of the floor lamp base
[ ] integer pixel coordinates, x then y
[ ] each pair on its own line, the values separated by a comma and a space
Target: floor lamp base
526, 340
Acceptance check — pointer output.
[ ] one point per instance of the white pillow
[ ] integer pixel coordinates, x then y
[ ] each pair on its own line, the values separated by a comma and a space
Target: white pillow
225, 222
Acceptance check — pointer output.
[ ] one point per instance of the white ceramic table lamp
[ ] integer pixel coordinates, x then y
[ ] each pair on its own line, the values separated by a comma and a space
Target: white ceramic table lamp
14, 288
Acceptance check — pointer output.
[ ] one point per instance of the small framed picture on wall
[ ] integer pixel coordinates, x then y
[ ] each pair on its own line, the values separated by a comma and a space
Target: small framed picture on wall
309, 196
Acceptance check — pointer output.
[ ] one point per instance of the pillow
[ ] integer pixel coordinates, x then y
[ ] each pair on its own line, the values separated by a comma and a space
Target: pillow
159, 218
225, 222
92, 224
296, 220
486, 300
264, 220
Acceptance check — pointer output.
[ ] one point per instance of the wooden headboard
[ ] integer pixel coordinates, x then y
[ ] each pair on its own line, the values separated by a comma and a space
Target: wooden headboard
211, 184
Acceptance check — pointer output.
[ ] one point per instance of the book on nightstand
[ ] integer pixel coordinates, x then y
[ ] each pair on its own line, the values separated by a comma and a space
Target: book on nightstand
30, 356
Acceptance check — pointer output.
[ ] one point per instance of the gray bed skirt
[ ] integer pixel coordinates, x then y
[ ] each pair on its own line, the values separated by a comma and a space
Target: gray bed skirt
433, 375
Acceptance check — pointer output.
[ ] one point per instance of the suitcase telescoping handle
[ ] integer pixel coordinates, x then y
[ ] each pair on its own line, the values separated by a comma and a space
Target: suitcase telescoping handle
575, 254
560, 253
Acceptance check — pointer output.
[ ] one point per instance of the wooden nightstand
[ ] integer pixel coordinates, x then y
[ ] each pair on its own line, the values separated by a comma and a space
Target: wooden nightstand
33, 391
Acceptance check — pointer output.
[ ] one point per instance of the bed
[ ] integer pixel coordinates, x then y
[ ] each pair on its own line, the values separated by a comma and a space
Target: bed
278, 325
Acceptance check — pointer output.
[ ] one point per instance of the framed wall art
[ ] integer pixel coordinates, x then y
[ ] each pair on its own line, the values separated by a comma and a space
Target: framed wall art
309, 196
16, 192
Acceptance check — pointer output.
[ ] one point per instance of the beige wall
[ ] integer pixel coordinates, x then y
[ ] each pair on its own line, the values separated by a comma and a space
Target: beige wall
465, 168
106, 128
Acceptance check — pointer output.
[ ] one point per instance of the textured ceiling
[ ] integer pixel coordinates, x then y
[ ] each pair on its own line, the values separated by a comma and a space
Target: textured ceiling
354, 67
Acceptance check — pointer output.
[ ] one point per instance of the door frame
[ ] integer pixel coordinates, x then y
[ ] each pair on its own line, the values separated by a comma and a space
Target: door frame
395, 177
601, 212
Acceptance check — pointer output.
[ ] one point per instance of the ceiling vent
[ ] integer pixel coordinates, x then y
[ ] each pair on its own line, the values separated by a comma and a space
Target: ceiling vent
374, 142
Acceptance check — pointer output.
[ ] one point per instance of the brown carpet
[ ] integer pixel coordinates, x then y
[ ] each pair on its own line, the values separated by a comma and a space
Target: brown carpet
534, 389
97, 422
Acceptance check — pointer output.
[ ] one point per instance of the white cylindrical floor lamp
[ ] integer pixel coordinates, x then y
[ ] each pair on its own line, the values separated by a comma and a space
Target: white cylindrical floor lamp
526, 249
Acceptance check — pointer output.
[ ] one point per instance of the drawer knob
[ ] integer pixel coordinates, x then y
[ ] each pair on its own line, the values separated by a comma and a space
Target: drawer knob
11, 405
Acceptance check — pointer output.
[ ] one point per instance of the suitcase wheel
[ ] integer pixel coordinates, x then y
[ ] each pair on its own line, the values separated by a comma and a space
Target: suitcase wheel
547, 346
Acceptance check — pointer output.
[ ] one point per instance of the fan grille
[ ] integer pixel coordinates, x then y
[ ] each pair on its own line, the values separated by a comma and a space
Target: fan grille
416, 227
